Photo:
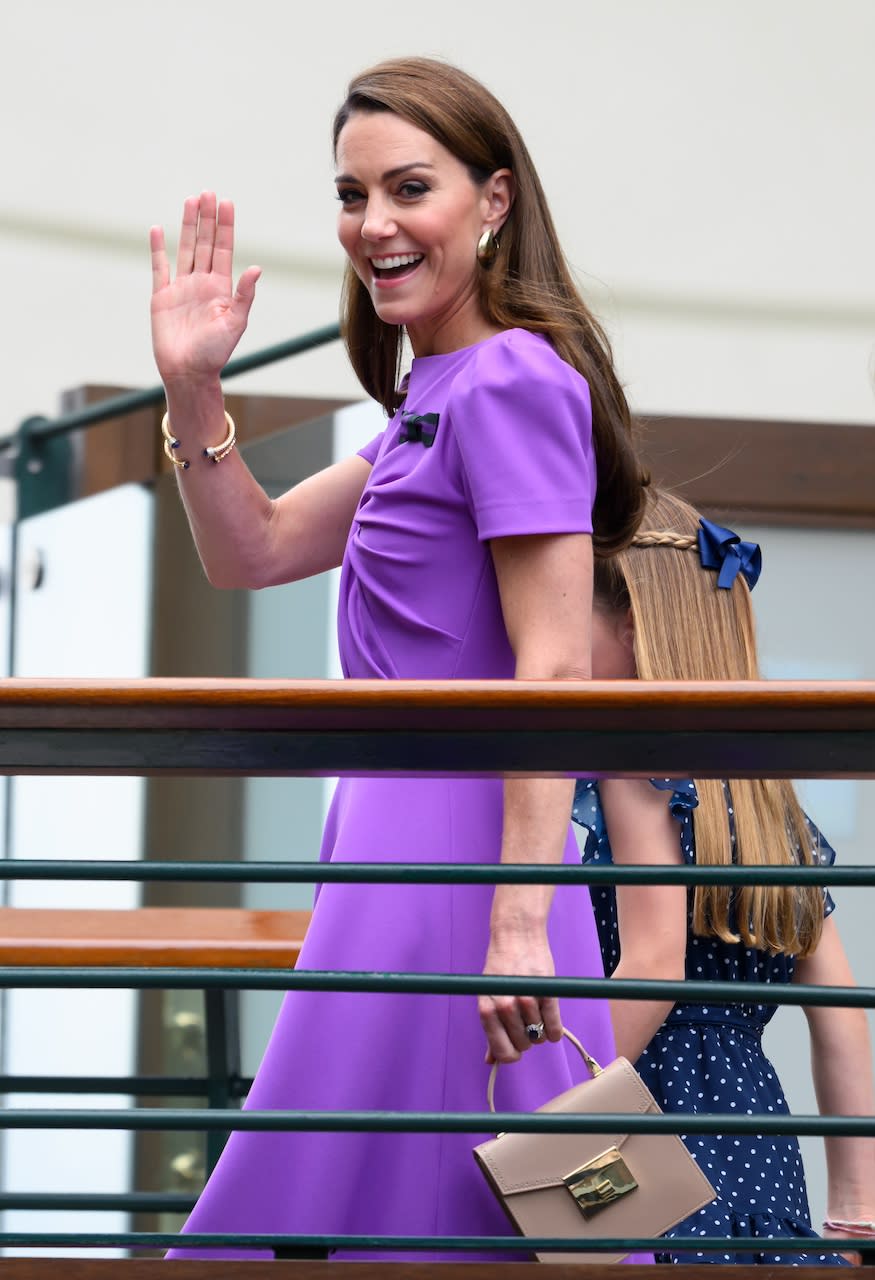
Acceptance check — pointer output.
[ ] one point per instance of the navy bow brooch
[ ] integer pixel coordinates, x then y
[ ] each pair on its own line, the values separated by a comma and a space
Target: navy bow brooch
723, 550
421, 427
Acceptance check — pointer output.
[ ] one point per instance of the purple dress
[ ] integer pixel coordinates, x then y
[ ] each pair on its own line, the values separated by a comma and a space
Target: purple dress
499, 444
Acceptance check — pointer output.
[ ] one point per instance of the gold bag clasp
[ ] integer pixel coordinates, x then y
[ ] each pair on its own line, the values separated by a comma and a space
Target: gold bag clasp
600, 1182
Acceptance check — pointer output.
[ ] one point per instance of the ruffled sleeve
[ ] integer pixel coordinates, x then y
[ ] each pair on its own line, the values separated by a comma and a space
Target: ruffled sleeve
823, 855
684, 799
586, 811
523, 422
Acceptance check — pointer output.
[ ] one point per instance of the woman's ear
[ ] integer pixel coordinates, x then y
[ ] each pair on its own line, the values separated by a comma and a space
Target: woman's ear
499, 191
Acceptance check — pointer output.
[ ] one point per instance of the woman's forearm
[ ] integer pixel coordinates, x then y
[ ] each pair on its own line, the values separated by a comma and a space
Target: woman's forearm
544, 583
536, 817
229, 513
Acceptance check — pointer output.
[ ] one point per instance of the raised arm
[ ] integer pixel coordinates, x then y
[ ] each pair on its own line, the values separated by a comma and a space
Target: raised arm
651, 919
244, 538
841, 1062
545, 588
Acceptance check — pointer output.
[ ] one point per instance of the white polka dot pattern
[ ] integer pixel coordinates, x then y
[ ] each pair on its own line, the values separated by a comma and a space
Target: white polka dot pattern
709, 1059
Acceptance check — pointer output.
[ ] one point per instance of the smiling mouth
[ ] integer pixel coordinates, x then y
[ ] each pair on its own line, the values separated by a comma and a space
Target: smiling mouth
394, 266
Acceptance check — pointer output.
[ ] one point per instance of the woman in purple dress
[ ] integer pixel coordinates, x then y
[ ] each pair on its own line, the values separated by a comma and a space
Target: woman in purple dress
466, 532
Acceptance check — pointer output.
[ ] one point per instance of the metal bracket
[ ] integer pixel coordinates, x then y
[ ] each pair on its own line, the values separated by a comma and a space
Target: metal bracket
42, 467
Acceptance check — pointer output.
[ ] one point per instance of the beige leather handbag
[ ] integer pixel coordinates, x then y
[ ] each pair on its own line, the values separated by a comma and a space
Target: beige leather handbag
583, 1185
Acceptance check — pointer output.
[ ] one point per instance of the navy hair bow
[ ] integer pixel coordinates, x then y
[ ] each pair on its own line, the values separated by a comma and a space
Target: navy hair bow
419, 427
723, 550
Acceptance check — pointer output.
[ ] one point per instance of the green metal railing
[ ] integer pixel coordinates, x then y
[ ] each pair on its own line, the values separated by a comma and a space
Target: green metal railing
41, 448
38, 429
848, 746
447, 1244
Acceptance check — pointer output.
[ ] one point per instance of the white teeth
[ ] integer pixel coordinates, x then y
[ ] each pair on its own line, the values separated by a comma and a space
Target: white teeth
400, 260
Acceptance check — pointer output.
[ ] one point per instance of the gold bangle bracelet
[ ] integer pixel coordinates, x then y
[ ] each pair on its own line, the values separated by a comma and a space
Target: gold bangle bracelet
214, 453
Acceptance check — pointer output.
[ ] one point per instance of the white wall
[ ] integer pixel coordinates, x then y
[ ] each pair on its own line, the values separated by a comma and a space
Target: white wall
708, 163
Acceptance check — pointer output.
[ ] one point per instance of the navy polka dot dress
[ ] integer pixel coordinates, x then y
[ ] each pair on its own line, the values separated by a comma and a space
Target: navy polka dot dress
710, 1058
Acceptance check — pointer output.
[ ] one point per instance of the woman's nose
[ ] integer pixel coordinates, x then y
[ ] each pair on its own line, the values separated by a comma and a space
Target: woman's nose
378, 221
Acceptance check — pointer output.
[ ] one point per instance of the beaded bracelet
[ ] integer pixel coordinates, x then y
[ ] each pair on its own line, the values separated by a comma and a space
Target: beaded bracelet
215, 452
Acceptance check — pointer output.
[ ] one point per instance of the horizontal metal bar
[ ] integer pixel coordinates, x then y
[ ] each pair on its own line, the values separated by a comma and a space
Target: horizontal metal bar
282, 350
423, 753
212, 1119
427, 1244
128, 1086
438, 728
130, 402
312, 872
104, 977
97, 1202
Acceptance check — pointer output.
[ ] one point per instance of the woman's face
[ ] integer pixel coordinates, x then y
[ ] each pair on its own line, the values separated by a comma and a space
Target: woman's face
410, 219
613, 644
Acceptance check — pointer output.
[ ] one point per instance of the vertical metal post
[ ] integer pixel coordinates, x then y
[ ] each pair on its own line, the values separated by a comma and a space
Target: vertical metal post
223, 1059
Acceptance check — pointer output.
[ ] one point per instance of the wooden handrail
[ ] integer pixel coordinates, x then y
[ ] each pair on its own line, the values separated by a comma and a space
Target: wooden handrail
720, 729
358, 705
152, 937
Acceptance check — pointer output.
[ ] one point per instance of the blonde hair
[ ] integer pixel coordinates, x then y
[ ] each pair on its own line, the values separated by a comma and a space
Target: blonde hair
686, 628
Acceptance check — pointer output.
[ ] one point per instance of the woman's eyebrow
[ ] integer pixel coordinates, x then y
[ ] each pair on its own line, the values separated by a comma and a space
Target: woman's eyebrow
390, 173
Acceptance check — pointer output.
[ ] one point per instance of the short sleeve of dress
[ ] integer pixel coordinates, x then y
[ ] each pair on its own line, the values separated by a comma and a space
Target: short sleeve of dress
822, 855
684, 799
586, 811
372, 448
523, 423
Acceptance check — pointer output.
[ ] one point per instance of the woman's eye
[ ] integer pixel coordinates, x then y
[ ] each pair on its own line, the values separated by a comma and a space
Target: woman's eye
413, 189
348, 195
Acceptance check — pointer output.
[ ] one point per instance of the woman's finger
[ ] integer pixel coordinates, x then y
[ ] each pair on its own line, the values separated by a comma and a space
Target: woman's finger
160, 265
206, 232
245, 291
530, 1008
187, 237
510, 1015
552, 1018
530, 1013
499, 1045
223, 249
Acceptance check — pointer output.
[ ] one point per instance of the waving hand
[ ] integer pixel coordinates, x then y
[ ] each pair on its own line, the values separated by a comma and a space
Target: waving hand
198, 317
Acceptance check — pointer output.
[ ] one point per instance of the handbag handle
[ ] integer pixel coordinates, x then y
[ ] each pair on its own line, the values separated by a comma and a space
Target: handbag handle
591, 1065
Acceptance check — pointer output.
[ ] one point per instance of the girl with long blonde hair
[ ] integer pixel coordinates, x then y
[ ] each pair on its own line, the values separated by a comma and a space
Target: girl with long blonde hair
676, 605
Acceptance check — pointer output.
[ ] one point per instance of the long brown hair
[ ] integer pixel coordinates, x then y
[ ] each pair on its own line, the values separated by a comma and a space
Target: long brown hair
528, 286
687, 629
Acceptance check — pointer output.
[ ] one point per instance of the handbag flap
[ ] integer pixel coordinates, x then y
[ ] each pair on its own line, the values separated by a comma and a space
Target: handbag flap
519, 1162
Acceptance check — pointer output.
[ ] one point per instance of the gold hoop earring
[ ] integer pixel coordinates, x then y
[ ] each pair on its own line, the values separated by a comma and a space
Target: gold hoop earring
487, 248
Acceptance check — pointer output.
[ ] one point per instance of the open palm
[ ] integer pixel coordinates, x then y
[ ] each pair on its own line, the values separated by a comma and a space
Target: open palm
198, 317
